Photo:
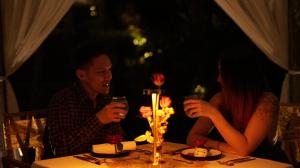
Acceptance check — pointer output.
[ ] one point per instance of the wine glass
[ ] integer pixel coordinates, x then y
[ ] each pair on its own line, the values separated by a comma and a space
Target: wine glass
192, 96
121, 99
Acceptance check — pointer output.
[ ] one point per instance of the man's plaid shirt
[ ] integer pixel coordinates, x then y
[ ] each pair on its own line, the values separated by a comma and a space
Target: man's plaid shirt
72, 123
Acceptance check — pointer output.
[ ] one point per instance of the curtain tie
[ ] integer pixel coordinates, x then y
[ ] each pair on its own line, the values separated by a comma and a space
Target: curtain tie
293, 72
2, 78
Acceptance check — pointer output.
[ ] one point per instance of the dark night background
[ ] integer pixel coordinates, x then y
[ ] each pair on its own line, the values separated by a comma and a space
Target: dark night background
184, 36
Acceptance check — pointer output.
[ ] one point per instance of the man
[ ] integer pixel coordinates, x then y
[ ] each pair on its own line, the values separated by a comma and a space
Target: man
82, 114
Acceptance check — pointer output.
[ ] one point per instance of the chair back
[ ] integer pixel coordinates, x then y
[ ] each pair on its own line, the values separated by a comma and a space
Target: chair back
289, 131
23, 133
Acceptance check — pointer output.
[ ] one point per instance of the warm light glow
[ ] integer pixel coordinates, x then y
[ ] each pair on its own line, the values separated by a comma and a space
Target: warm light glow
200, 90
142, 60
145, 56
138, 38
93, 7
157, 154
139, 41
93, 11
148, 54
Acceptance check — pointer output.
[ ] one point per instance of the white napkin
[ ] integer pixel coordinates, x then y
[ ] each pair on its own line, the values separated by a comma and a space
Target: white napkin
108, 148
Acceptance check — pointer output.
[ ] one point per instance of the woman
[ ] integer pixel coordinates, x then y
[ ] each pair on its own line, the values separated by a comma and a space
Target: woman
244, 112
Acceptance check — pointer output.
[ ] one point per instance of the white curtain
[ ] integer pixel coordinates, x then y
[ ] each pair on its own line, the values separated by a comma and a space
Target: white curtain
26, 24
266, 23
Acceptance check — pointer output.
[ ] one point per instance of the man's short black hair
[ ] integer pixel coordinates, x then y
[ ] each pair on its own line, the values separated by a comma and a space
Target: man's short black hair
87, 51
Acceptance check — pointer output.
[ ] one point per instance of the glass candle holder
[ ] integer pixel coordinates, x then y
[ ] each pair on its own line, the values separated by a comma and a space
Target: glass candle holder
155, 131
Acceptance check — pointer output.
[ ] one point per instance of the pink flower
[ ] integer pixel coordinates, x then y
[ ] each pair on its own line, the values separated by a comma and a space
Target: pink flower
165, 101
145, 111
158, 79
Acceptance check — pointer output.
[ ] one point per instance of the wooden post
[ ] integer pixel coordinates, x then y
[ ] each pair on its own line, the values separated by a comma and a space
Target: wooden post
3, 101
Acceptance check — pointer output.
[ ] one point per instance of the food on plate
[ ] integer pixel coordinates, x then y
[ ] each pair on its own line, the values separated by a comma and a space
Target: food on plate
200, 152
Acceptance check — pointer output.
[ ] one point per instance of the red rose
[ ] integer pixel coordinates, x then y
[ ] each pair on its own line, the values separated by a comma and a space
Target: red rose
158, 79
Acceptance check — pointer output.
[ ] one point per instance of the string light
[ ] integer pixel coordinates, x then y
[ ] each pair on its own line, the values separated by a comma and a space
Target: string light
93, 10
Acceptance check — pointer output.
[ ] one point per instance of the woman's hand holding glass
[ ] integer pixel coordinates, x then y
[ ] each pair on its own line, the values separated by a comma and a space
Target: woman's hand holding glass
196, 107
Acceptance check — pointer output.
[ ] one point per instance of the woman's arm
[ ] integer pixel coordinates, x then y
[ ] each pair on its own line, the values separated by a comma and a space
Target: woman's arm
256, 131
203, 125
258, 128
199, 131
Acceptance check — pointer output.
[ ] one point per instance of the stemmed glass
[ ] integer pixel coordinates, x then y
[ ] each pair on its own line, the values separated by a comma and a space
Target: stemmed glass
121, 99
193, 96
115, 137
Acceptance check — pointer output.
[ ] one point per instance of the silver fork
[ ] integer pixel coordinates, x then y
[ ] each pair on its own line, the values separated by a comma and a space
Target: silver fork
93, 158
177, 151
238, 160
81, 157
185, 161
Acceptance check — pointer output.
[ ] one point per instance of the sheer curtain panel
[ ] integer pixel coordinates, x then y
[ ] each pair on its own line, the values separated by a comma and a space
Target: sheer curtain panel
265, 22
26, 24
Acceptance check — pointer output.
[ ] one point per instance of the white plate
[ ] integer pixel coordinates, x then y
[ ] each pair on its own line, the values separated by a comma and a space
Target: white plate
213, 154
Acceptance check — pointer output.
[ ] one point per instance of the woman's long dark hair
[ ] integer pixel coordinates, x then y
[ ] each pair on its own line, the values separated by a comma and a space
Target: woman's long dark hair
244, 82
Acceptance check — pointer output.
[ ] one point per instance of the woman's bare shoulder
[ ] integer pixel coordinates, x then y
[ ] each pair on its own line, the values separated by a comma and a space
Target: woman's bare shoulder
269, 98
268, 104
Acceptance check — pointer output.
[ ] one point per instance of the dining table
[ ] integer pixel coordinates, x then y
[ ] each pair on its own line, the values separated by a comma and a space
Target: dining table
141, 158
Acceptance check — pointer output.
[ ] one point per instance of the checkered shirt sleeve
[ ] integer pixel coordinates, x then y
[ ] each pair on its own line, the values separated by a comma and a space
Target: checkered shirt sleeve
73, 125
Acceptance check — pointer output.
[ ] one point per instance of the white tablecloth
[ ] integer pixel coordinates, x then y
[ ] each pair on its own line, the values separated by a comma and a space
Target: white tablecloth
141, 160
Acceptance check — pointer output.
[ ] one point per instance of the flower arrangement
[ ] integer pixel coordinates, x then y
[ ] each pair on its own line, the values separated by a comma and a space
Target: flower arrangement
156, 117
163, 115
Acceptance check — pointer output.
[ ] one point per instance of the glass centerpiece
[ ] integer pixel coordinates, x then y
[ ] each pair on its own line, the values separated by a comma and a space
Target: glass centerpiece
157, 117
